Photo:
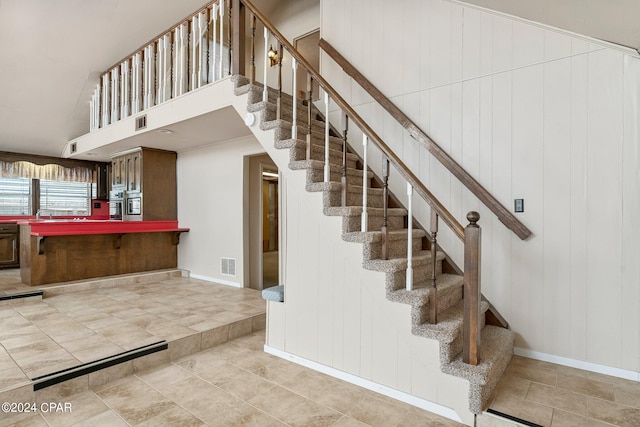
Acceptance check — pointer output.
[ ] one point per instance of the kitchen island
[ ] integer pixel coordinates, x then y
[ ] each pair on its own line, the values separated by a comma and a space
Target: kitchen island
53, 251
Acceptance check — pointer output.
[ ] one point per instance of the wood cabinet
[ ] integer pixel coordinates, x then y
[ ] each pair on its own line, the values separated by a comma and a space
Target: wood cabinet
149, 175
9, 245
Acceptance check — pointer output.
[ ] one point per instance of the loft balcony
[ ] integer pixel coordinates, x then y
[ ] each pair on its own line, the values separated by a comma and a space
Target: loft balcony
178, 84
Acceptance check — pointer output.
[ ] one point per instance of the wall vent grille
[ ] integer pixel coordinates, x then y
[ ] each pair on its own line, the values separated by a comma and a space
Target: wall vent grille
228, 266
141, 122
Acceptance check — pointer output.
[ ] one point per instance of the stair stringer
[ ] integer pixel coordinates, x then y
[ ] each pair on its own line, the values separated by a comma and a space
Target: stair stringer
447, 334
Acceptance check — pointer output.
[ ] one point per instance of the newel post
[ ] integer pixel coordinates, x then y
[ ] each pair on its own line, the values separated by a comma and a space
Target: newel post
471, 327
238, 38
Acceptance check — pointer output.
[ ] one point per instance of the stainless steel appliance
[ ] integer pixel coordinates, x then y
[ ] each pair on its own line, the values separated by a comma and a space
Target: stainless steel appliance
133, 206
116, 202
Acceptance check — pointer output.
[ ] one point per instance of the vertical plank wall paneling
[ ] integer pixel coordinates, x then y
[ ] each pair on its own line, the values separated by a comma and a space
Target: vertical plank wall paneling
604, 203
577, 259
532, 113
631, 212
336, 313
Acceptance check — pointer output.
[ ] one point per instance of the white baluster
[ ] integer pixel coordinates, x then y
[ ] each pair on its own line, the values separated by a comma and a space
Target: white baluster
115, 92
365, 184
96, 107
181, 42
202, 57
265, 95
124, 89
106, 103
164, 69
149, 75
214, 56
91, 110
221, 36
294, 128
136, 83
409, 284
193, 54
327, 168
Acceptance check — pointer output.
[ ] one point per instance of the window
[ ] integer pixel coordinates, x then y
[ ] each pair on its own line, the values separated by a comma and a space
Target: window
15, 196
65, 197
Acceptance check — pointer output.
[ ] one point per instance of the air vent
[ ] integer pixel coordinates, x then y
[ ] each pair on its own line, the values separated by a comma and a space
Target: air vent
228, 266
141, 122
74, 147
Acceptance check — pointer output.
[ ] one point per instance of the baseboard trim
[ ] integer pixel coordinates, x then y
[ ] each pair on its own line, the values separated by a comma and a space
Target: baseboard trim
215, 280
579, 364
369, 385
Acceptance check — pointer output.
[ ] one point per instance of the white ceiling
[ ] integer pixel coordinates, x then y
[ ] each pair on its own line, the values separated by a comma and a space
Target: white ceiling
52, 52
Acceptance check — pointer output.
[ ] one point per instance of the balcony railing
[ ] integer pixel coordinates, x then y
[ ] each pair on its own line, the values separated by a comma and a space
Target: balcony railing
191, 54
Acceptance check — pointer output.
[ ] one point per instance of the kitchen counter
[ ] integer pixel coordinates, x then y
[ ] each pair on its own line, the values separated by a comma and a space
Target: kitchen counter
61, 250
65, 227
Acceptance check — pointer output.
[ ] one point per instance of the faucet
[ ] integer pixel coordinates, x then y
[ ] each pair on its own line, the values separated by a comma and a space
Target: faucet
38, 214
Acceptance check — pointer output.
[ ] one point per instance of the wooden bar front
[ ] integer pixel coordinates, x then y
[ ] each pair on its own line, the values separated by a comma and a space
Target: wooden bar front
63, 258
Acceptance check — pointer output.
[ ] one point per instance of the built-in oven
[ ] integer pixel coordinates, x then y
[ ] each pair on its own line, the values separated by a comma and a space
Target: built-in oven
116, 202
133, 206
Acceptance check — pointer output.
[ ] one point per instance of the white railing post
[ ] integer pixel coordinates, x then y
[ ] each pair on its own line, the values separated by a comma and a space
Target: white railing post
213, 65
409, 275
136, 83
327, 167
115, 92
92, 125
365, 182
221, 35
294, 127
181, 42
265, 95
193, 54
202, 57
106, 103
149, 76
96, 107
125, 78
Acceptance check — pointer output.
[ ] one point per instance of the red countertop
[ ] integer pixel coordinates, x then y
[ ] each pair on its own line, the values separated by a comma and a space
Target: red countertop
65, 227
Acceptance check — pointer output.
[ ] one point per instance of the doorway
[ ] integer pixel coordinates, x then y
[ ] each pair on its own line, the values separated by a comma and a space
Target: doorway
264, 242
270, 246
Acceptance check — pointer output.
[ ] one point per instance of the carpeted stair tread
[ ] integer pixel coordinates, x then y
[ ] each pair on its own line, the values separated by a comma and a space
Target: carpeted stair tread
318, 165
419, 258
334, 150
419, 295
337, 186
449, 324
357, 211
495, 353
376, 236
335, 156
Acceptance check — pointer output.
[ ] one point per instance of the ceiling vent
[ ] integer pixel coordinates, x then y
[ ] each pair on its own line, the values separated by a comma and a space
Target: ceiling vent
228, 266
141, 122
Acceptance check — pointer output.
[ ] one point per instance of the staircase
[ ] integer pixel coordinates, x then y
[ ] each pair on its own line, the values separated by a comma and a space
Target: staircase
497, 342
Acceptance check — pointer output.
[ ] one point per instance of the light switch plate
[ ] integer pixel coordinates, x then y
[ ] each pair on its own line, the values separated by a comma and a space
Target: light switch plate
518, 205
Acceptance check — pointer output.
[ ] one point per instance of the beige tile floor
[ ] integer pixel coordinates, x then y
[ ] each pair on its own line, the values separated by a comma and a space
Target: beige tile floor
43, 336
237, 383
233, 384
10, 282
559, 396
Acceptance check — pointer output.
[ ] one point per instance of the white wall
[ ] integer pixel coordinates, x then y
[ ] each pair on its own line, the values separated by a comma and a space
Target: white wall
532, 113
336, 313
211, 202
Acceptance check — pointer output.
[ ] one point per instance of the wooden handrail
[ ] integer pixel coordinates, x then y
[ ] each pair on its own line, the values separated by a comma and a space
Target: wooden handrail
402, 169
503, 214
